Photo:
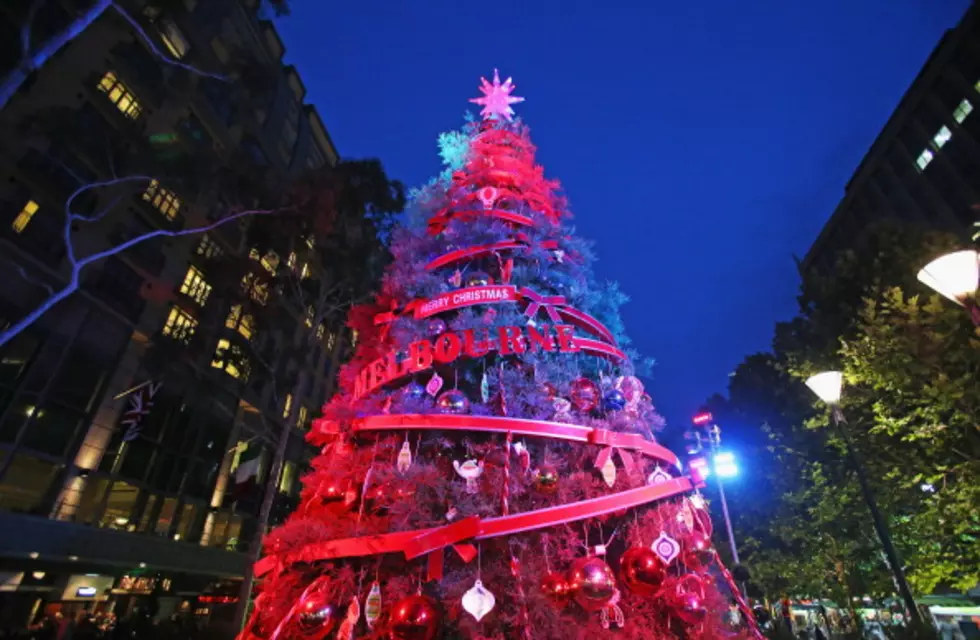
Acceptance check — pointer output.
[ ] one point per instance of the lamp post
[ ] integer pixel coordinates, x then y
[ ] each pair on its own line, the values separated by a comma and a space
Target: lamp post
827, 386
724, 467
955, 276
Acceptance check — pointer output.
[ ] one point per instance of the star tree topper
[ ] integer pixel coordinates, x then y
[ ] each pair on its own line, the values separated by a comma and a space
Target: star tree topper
496, 98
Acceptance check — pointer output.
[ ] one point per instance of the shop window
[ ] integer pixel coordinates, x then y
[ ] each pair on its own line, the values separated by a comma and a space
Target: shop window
147, 517
90, 501
119, 506
186, 523
195, 286
23, 487
24, 217
120, 95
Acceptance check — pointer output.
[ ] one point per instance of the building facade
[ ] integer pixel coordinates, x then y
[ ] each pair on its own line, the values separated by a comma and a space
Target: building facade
137, 431
924, 167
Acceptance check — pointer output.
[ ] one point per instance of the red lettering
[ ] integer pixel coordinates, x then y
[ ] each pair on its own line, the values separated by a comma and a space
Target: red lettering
420, 355
472, 348
565, 341
392, 366
448, 347
373, 370
511, 340
541, 339
360, 383
380, 367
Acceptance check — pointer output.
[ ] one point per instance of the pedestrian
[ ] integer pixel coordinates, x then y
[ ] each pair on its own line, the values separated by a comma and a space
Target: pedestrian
950, 630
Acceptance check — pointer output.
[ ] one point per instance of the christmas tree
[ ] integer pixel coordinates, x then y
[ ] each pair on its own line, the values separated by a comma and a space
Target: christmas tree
490, 468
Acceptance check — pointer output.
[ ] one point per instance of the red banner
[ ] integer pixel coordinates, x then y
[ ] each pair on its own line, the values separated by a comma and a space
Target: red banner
419, 542
465, 298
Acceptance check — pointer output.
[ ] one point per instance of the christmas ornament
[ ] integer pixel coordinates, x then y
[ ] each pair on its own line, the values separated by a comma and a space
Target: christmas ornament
612, 614
592, 583
555, 586
631, 387
614, 400
372, 605
523, 456
685, 516
658, 476
453, 401
436, 326
346, 631
469, 471
559, 255
434, 384
563, 409
412, 391
478, 601
666, 547
689, 607
457, 278
496, 98
608, 472
415, 618
546, 479
484, 388
488, 196
698, 552
697, 501
642, 570
550, 390
477, 279
584, 394
316, 618
507, 271
404, 460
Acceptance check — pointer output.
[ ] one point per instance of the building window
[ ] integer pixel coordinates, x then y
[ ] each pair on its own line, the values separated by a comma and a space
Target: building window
120, 95
924, 159
173, 39
242, 323
305, 271
309, 241
288, 477
24, 217
291, 261
353, 337
320, 330
331, 339
287, 405
962, 111
290, 131
180, 325
208, 248
164, 200
229, 359
942, 137
301, 416
269, 262
195, 287
255, 288
308, 321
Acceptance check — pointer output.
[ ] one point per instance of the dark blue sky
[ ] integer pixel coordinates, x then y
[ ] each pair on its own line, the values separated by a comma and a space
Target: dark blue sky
702, 143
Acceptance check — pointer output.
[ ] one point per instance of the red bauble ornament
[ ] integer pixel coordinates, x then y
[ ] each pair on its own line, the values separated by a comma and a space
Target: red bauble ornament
550, 390
584, 394
698, 552
546, 478
592, 583
689, 607
642, 570
415, 618
315, 618
556, 587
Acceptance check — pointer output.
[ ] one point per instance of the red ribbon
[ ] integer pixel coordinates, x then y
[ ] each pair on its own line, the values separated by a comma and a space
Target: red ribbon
537, 301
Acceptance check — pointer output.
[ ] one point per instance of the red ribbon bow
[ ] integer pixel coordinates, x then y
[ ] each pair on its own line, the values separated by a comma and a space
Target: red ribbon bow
536, 301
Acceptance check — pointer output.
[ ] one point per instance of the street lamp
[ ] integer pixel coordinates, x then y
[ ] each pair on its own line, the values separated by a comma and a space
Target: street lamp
955, 276
827, 386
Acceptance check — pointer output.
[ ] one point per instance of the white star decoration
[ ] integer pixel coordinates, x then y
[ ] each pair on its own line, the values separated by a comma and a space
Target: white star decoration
496, 98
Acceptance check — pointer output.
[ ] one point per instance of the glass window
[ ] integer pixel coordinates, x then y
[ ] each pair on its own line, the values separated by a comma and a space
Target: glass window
137, 456
119, 506
255, 288
24, 217
120, 95
269, 262
173, 39
53, 430
15, 356
942, 137
147, 517
163, 469
308, 320
166, 517
291, 261
25, 484
964, 109
79, 381
924, 159
301, 416
244, 324
288, 477
208, 248
195, 287
287, 405
180, 325
91, 500
186, 521
163, 200
231, 359
320, 330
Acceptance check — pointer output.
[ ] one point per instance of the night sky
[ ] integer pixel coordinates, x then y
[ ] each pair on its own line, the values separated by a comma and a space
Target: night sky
702, 144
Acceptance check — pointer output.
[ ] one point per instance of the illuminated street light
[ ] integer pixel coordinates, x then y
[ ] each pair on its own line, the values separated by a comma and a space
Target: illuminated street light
956, 276
725, 465
827, 386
